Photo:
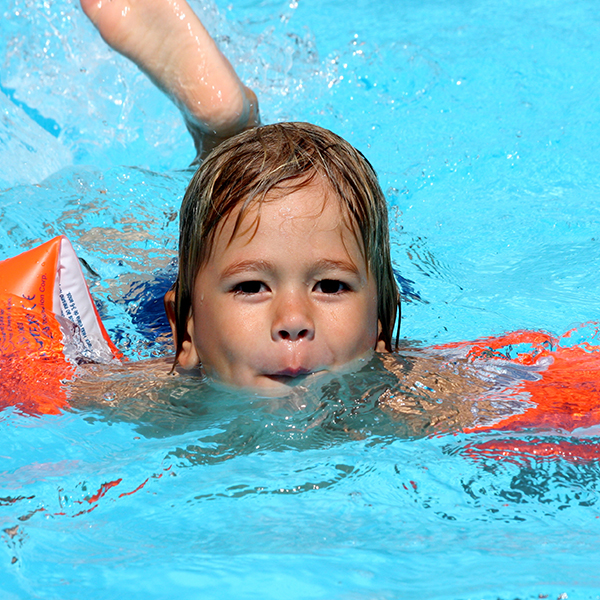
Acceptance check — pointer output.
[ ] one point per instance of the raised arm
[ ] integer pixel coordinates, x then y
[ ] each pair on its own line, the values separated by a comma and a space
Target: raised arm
167, 41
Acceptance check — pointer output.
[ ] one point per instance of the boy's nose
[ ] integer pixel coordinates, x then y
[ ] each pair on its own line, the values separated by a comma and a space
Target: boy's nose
292, 320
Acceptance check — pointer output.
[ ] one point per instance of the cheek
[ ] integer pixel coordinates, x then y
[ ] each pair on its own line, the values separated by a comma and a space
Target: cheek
355, 331
222, 329
371, 328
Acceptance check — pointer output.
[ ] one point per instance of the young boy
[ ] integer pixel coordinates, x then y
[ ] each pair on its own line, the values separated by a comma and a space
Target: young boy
284, 258
285, 265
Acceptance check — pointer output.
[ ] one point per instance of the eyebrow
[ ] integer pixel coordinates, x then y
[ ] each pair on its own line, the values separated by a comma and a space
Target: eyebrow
324, 264
242, 266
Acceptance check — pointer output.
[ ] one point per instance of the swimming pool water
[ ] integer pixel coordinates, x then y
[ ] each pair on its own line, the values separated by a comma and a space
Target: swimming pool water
482, 120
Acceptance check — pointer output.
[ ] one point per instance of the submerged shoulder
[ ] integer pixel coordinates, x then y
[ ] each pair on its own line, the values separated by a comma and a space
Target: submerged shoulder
98, 385
438, 388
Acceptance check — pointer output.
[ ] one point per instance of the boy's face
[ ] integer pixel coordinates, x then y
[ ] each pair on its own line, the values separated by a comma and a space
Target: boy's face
285, 299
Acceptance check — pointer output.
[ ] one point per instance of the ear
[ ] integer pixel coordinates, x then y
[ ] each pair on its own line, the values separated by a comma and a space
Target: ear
188, 356
380, 345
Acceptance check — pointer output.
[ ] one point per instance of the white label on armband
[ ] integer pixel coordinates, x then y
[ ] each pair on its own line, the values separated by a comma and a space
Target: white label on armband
76, 304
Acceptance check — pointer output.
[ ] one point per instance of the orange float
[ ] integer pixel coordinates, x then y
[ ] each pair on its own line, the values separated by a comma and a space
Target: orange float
567, 395
48, 325
564, 399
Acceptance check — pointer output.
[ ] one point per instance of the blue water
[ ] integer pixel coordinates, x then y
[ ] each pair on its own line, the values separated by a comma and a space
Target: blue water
482, 119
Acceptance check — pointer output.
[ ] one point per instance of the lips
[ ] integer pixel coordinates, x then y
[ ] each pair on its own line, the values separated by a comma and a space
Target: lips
293, 372
287, 375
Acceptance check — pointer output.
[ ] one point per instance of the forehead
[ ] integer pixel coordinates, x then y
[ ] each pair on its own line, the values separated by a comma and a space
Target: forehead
293, 209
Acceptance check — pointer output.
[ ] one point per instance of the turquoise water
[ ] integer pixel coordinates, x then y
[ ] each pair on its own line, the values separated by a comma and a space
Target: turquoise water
482, 120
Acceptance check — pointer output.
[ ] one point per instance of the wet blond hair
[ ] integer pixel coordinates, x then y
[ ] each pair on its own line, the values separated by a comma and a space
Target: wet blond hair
272, 160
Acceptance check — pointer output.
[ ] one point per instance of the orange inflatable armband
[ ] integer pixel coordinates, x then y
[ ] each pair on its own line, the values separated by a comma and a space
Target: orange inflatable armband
48, 325
565, 398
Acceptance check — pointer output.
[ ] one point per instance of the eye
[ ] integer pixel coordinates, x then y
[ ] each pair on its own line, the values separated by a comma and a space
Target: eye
250, 287
331, 286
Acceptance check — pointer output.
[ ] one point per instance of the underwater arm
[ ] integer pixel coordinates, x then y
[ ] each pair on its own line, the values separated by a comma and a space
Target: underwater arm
435, 393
